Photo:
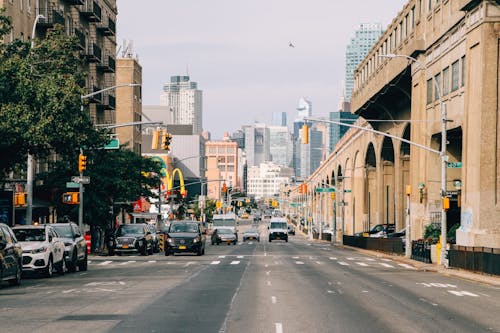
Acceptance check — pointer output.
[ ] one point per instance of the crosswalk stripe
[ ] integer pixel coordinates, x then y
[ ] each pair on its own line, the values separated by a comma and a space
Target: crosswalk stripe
362, 264
406, 266
386, 265
215, 262
299, 262
235, 262
343, 263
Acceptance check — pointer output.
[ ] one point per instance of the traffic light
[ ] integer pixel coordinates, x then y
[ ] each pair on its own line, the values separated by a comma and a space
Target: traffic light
155, 140
165, 141
82, 163
71, 198
20, 199
305, 134
332, 195
224, 188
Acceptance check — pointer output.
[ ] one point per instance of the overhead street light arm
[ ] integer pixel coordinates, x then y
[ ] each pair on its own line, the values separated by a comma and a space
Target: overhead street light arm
109, 88
135, 123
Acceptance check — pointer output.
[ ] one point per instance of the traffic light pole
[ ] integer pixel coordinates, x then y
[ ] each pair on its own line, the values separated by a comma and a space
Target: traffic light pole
80, 205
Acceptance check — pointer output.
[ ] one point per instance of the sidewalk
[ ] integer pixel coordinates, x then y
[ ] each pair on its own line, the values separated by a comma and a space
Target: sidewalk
421, 266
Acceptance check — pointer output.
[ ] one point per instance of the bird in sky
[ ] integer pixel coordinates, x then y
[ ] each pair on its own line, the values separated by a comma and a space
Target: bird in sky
291, 44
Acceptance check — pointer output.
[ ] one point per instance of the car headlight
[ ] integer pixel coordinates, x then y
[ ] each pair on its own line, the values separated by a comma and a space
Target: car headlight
196, 240
170, 240
40, 249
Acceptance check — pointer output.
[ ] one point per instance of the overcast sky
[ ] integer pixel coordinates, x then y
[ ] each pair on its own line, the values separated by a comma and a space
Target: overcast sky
238, 52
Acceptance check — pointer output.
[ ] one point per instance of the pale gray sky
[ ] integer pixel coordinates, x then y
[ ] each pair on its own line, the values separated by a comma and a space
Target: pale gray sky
237, 51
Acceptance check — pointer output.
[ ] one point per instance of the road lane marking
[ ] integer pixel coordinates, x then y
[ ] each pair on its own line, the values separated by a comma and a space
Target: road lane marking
361, 264
369, 259
68, 291
319, 262
235, 262
151, 261
384, 259
222, 257
240, 257
406, 266
386, 265
128, 262
273, 299
462, 293
215, 262
331, 291
333, 258
299, 262
266, 265
107, 262
189, 263
343, 263
295, 257
268, 272
279, 327
269, 283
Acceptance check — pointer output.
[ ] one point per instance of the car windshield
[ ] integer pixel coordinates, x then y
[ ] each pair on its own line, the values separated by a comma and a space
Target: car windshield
224, 231
30, 235
278, 225
64, 230
251, 231
129, 229
184, 227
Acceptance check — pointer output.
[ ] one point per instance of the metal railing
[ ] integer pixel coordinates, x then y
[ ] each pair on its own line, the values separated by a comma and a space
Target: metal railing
476, 259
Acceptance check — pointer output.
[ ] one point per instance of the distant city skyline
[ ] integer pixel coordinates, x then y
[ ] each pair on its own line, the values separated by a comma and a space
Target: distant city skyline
248, 70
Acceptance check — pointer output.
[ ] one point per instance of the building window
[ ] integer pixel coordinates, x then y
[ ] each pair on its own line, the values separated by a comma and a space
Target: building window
463, 71
437, 86
429, 91
231, 150
222, 150
454, 76
406, 26
430, 5
412, 18
446, 81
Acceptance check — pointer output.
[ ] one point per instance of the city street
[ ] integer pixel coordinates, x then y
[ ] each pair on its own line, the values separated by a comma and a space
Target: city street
299, 286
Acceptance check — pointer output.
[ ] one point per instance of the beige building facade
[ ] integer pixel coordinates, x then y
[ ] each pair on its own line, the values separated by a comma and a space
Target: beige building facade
222, 167
447, 56
129, 103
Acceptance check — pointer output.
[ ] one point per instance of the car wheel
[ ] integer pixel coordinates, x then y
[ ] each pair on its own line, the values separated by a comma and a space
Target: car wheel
203, 251
286, 240
144, 251
200, 252
234, 243
16, 280
269, 240
49, 270
83, 265
61, 268
151, 250
156, 248
74, 262
167, 253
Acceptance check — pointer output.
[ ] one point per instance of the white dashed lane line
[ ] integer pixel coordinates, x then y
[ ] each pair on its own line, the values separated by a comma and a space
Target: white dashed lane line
107, 262
235, 262
215, 262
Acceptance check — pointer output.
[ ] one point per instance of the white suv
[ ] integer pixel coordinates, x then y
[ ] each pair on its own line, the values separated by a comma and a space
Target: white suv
43, 249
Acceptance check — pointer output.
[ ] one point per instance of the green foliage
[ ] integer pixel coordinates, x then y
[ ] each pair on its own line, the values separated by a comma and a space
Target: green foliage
432, 232
40, 89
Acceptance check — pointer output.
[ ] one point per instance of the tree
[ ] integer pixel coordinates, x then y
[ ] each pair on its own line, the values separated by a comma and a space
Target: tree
40, 91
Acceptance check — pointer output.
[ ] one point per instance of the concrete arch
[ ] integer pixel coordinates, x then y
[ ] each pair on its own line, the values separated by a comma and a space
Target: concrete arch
370, 185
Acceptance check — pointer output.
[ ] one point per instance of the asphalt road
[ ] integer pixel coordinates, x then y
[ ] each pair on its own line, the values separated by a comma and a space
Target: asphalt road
299, 286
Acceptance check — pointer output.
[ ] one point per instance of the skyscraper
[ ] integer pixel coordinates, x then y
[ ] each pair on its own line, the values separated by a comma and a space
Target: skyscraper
257, 144
281, 145
185, 102
343, 115
279, 119
361, 43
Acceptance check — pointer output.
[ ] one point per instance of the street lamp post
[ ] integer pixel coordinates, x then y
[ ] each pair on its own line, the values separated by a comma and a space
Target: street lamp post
442, 153
80, 184
29, 164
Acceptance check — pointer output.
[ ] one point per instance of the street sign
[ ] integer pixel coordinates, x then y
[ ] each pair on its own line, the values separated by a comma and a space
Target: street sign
347, 191
293, 204
72, 185
322, 189
454, 165
82, 179
113, 144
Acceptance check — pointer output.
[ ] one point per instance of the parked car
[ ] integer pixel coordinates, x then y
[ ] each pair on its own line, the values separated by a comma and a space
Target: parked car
11, 256
75, 252
245, 216
156, 238
185, 236
132, 238
223, 235
251, 234
399, 234
377, 231
43, 249
291, 229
